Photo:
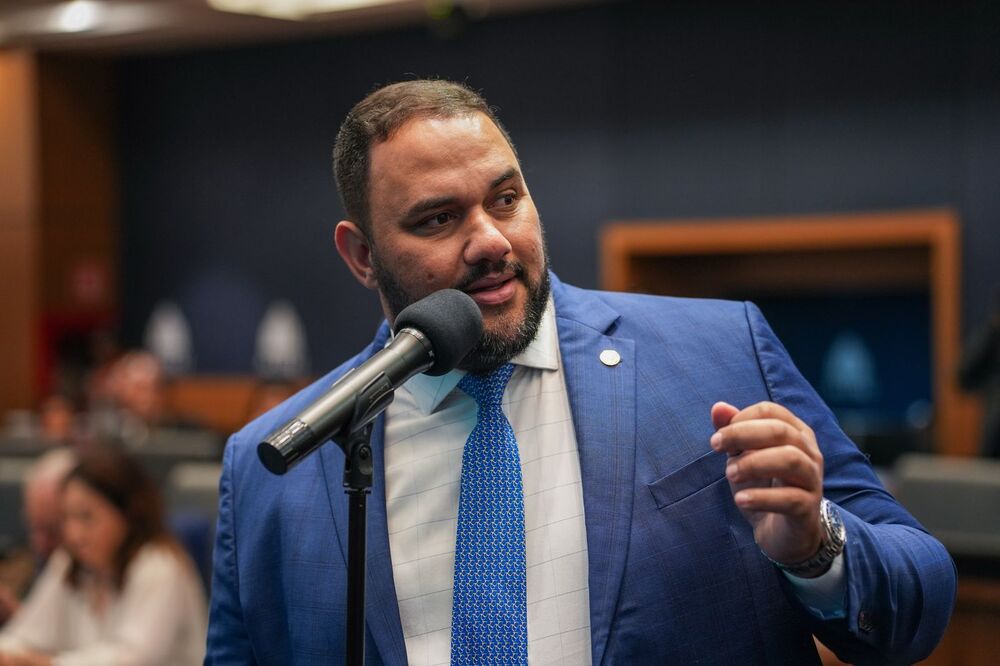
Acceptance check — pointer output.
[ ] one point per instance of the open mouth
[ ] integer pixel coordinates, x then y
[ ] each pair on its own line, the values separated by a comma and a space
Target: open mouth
492, 290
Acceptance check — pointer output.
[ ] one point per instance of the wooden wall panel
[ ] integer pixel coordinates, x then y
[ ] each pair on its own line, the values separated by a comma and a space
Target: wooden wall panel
58, 211
79, 193
18, 227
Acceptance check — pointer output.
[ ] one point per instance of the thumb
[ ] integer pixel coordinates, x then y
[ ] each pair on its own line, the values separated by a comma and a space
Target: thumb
722, 414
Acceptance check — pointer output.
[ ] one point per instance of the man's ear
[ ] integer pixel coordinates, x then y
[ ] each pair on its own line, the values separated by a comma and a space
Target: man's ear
355, 250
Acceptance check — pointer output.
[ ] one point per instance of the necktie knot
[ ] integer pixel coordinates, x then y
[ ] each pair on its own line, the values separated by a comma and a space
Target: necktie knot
487, 390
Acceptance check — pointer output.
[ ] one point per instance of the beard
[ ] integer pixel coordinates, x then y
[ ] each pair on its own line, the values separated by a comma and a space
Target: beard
495, 347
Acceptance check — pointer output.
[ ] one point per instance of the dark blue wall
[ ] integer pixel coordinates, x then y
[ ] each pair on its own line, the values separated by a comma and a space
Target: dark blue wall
623, 110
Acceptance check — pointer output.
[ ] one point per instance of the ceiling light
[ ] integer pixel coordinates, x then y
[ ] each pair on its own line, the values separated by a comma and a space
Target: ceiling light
78, 15
82, 19
294, 9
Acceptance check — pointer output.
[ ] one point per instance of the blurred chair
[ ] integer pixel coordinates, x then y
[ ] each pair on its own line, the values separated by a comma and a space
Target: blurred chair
194, 487
165, 448
957, 499
30, 447
13, 469
193, 443
192, 497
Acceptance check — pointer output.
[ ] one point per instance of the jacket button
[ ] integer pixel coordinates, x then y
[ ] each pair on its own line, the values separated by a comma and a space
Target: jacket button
865, 623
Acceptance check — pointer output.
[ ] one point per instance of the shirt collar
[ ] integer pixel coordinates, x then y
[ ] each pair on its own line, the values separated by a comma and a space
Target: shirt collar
541, 353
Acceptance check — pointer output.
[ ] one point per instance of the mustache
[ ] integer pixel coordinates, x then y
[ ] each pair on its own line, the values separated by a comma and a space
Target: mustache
480, 271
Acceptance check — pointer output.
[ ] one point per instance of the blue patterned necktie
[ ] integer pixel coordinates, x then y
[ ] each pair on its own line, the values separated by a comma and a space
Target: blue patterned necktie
489, 617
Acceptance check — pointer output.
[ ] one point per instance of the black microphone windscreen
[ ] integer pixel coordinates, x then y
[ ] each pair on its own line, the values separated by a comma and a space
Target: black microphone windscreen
452, 322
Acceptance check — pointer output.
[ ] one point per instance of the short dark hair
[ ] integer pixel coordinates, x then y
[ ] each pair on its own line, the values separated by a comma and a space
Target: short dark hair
379, 115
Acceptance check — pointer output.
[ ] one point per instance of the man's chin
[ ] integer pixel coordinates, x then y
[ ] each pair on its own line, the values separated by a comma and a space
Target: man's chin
507, 331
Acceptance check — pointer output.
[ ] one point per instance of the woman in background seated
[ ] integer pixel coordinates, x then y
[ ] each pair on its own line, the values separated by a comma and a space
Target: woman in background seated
121, 590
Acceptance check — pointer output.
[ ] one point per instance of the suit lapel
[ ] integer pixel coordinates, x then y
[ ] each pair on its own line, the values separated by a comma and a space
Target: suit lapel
385, 631
602, 399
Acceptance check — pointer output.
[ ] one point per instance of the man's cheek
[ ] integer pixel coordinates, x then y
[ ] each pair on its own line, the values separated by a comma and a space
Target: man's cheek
409, 268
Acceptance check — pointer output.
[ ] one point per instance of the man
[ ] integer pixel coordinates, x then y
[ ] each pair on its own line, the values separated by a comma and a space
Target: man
660, 523
41, 494
139, 390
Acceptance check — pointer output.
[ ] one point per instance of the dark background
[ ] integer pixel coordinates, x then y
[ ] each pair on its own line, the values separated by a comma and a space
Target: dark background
621, 110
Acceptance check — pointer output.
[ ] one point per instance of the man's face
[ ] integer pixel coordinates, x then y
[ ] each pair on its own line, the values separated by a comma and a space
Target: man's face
43, 515
449, 208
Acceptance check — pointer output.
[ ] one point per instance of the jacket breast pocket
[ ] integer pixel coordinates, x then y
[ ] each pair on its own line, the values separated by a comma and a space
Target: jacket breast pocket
688, 571
689, 479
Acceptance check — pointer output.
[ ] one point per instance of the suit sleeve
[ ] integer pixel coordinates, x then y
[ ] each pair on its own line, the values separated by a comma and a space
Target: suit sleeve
900, 580
228, 641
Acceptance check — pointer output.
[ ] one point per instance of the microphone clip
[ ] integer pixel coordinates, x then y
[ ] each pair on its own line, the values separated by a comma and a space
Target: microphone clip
355, 441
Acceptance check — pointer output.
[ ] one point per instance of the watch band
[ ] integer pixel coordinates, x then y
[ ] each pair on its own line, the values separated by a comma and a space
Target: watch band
832, 545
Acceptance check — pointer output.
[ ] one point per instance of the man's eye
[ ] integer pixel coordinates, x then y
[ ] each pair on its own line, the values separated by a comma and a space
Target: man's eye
506, 200
437, 220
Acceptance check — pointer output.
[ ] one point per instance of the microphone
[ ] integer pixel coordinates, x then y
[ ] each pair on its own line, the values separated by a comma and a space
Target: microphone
433, 335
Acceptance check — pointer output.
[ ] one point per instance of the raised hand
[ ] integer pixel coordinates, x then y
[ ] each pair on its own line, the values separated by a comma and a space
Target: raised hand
775, 471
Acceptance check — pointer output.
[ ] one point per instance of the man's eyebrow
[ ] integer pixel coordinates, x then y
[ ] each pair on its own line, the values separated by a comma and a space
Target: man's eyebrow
506, 175
428, 204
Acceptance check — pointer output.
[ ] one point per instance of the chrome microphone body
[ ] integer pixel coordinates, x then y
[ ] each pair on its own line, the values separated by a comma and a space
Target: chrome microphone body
357, 393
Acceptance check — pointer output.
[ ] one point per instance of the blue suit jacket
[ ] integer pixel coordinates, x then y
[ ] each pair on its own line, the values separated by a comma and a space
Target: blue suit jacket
675, 575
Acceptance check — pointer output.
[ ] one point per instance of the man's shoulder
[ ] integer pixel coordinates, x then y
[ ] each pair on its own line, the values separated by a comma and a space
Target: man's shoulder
635, 308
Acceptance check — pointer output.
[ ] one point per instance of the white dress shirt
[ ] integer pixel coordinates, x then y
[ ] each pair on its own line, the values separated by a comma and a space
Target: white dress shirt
425, 433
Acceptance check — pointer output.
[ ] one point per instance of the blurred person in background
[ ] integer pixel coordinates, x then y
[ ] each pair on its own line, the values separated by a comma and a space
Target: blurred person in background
42, 501
105, 353
980, 371
42, 517
138, 405
57, 420
120, 590
138, 386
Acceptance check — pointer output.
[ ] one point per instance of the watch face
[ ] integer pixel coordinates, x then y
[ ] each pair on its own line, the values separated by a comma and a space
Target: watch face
834, 523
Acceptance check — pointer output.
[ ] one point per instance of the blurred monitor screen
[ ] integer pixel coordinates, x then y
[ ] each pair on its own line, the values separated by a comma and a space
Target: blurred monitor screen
869, 357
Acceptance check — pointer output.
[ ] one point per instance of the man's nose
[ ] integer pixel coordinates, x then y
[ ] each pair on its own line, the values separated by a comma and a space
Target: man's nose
486, 241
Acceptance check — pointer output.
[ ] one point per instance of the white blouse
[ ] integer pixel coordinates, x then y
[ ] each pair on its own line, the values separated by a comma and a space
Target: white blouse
159, 617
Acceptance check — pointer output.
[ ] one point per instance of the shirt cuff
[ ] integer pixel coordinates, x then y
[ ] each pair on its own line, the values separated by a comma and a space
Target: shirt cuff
824, 596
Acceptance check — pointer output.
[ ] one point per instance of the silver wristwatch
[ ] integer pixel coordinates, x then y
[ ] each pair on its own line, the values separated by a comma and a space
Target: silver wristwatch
832, 545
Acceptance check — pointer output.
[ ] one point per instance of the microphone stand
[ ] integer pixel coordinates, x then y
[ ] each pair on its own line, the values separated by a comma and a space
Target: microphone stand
357, 485
368, 404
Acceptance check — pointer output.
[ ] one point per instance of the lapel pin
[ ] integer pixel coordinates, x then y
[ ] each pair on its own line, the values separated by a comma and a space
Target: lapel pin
610, 358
